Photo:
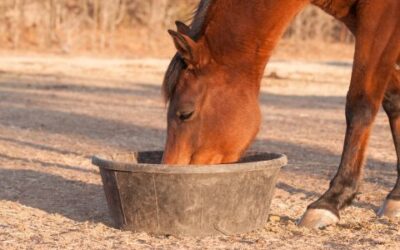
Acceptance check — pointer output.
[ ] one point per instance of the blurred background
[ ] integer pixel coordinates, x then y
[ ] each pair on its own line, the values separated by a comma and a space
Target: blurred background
137, 28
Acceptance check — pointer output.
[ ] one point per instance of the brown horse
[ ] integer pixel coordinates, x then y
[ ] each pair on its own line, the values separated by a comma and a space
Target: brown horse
213, 83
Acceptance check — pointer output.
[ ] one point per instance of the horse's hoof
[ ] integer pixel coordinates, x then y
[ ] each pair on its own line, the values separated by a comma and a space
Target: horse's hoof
390, 209
318, 218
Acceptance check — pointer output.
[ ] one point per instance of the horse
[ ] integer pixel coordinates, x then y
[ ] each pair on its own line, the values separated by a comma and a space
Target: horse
212, 87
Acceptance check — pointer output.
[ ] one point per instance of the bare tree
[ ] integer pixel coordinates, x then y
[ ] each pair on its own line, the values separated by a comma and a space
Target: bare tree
17, 18
93, 24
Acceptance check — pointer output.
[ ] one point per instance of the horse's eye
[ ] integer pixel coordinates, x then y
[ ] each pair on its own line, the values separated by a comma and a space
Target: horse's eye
184, 115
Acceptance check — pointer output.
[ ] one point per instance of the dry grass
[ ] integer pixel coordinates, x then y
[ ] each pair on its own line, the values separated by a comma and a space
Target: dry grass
56, 112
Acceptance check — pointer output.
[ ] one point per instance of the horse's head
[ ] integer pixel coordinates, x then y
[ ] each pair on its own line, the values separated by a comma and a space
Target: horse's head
213, 112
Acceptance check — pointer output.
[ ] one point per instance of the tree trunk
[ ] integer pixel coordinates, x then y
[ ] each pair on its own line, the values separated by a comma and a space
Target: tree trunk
158, 10
18, 22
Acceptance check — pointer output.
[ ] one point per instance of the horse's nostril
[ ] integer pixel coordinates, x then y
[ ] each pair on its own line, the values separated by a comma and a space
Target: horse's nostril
184, 115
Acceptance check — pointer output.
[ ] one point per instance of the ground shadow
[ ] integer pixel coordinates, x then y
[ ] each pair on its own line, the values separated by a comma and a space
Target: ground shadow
44, 85
81, 201
75, 200
322, 163
302, 102
109, 132
51, 82
47, 164
342, 64
19, 109
62, 122
40, 146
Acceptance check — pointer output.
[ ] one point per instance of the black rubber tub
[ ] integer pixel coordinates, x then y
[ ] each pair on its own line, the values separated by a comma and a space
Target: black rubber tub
146, 196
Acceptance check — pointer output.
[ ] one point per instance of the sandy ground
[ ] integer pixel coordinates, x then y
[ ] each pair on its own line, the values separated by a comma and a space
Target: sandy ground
56, 112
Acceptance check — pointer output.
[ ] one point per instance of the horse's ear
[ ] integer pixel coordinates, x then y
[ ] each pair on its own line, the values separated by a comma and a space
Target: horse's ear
182, 28
186, 47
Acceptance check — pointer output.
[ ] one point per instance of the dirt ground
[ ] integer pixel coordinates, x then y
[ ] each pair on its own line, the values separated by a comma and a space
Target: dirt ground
56, 112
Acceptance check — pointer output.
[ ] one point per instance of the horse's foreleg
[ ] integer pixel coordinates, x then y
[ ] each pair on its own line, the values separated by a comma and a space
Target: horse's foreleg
361, 108
373, 64
391, 104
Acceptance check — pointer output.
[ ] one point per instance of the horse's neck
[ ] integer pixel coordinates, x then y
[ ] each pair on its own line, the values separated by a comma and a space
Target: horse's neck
242, 34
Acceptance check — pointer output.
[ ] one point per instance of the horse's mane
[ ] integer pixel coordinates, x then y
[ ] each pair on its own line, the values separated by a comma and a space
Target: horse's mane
177, 64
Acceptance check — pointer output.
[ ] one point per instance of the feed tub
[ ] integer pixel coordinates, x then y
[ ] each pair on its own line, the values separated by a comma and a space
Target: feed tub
146, 196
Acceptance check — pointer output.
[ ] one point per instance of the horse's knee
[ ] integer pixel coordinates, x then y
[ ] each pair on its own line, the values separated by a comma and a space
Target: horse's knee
391, 104
361, 110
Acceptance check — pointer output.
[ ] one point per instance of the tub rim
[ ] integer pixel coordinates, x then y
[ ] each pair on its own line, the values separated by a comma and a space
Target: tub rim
271, 161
